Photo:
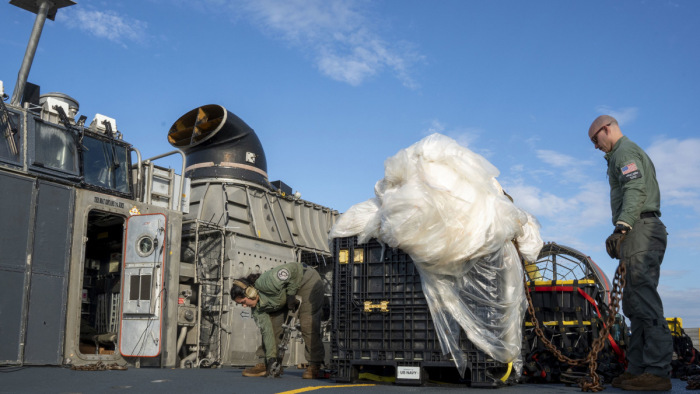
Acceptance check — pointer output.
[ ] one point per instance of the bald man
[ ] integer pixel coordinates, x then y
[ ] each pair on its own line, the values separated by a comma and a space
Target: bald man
639, 239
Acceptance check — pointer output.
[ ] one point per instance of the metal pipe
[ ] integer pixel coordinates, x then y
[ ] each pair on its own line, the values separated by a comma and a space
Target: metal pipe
149, 182
221, 292
138, 191
187, 359
31, 51
198, 325
181, 339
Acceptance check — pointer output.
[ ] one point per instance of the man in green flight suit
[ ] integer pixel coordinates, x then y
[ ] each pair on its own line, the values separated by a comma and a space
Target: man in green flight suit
271, 295
639, 239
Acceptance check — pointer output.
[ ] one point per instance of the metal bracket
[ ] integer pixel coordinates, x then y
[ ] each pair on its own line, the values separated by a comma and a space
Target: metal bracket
383, 306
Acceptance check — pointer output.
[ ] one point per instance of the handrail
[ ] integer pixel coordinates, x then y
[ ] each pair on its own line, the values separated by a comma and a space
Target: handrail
182, 174
138, 173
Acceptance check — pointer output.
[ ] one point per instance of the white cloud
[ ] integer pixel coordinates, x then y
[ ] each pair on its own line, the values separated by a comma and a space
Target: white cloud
586, 208
104, 24
562, 195
677, 303
517, 168
688, 238
593, 205
435, 127
569, 200
560, 160
338, 34
567, 169
623, 115
677, 167
465, 137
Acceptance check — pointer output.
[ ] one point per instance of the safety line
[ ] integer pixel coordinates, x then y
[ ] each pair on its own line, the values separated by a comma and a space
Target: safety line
304, 389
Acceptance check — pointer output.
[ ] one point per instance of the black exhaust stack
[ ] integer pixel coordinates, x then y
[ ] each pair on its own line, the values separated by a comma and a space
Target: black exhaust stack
218, 144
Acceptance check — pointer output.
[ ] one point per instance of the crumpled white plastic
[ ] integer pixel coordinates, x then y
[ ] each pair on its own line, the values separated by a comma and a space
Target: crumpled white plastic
440, 203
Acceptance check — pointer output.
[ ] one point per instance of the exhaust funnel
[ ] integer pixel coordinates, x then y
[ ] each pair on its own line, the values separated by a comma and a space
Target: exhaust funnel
218, 144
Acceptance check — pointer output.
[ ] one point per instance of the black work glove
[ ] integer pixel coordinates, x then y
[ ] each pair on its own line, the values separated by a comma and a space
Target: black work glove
274, 368
614, 241
292, 302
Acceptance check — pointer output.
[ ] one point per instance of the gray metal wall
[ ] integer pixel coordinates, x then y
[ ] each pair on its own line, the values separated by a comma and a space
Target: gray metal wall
262, 230
34, 252
694, 334
251, 211
87, 201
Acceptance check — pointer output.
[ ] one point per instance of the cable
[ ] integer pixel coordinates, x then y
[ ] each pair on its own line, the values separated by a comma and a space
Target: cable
8, 369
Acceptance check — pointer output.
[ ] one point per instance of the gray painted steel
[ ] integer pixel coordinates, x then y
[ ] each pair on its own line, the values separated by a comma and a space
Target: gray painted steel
46, 320
694, 334
35, 254
87, 202
262, 230
15, 193
11, 288
49, 264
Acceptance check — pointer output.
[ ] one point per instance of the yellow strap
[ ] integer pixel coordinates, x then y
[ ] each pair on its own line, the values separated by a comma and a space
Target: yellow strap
505, 377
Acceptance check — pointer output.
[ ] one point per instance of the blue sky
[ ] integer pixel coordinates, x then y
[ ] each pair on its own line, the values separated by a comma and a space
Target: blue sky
334, 88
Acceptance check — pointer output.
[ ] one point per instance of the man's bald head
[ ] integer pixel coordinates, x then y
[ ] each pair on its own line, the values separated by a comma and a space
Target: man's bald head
599, 122
604, 133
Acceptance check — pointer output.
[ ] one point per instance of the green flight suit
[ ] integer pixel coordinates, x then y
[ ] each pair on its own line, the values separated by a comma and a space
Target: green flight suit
635, 200
273, 288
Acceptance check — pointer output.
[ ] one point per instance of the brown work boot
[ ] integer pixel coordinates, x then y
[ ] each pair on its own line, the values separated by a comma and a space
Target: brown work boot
311, 372
647, 382
257, 371
617, 382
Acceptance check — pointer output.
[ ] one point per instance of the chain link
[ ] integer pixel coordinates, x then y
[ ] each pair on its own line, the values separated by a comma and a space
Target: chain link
99, 366
693, 383
592, 382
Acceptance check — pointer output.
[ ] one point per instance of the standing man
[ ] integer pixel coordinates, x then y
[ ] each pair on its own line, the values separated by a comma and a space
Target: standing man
639, 239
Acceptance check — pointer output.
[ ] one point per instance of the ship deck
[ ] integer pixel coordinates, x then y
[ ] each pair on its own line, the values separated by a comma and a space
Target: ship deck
36, 379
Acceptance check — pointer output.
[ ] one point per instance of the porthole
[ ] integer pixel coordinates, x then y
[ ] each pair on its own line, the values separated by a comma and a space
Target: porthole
144, 246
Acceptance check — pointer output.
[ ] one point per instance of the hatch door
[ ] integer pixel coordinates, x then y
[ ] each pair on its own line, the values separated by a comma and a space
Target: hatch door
142, 286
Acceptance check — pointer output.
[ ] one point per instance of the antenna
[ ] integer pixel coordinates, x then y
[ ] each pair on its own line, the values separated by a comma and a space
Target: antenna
43, 9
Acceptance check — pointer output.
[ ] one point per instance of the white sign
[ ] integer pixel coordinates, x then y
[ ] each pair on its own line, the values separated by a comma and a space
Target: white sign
250, 157
408, 373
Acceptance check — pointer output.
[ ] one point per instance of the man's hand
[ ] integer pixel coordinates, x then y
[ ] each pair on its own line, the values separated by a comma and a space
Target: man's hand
292, 302
614, 241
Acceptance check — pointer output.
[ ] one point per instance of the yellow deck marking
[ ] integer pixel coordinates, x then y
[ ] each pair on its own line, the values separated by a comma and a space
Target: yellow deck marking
304, 389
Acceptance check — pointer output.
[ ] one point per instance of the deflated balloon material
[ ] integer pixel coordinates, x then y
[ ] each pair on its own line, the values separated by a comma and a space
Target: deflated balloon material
441, 203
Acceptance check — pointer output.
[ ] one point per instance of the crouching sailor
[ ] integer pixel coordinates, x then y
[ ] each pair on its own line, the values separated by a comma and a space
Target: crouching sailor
271, 295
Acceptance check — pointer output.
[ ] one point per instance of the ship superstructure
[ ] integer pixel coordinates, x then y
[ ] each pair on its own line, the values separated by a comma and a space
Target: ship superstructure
108, 257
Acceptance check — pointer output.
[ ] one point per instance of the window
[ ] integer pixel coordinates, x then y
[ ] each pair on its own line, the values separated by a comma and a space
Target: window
105, 164
55, 148
9, 135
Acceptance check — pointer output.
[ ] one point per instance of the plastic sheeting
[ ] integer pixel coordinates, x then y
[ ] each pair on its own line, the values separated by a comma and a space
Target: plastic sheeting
440, 203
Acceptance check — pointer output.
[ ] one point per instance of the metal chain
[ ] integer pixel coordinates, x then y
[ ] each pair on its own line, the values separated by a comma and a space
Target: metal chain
693, 383
99, 366
592, 382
